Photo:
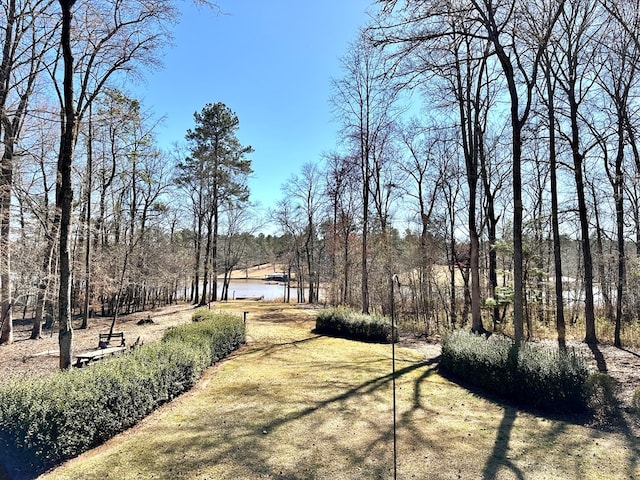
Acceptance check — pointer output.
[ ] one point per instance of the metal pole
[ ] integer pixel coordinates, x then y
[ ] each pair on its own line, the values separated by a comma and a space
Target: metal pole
394, 278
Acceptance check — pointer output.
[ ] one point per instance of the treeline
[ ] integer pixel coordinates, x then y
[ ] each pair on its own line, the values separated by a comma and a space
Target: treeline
84, 188
501, 134
485, 172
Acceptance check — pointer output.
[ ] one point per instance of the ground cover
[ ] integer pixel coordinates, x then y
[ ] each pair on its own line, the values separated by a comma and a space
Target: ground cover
27, 357
295, 405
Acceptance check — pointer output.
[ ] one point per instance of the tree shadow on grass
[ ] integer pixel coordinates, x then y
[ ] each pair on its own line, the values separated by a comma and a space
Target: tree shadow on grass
246, 447
417, 390
364, 388
612, 411
499, 458
269, 348
612, 419
385, 433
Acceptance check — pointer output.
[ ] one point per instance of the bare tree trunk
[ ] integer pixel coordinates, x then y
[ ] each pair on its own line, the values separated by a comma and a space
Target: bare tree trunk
6, 182
196, 260
578, 165
121, 289
308, 248
468, 75
451, 194
207, 262
64, 192
87, 253
365, 240
475, 296
492, 223
16, 52
520, 111
453, 300
555, 223
622, 274
214, 249
346, 297
602, 276
46, 273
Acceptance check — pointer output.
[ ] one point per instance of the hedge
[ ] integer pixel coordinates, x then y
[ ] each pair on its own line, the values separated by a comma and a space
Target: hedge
346, 323
47, 420
540, 377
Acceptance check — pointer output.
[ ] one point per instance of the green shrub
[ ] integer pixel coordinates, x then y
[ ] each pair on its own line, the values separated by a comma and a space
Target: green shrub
47, 420
346, 323
601, 389
218, 334
540, 377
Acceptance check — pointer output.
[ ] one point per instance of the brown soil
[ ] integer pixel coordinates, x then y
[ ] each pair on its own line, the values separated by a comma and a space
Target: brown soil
25, 357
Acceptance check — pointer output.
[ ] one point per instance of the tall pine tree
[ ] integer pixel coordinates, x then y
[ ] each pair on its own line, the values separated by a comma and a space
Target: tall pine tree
216, 170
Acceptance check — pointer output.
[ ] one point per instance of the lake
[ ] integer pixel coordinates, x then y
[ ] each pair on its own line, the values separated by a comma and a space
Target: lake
272, 291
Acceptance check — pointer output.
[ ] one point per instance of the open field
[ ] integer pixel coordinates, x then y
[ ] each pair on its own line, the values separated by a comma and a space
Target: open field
256, 272
295, 405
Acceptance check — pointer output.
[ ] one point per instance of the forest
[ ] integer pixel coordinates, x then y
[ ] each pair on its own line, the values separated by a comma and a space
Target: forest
487, 168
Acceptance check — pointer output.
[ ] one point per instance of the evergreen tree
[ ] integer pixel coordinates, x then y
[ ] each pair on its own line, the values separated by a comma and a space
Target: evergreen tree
216, 169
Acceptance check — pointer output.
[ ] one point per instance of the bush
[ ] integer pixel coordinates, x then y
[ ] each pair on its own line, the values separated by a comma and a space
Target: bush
47, 420
346, 323
532, 375
602, 389
217, 334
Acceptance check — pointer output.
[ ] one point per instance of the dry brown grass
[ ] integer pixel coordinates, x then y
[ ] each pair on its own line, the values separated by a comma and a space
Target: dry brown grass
294, 405
257, 272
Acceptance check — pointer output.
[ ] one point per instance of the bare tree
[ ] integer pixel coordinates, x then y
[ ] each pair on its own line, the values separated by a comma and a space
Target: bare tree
237, 227
520, 59
364, 100
470, 79
28, 32
304, 191
518, 34
192, 181
454, 52
548, 99
424, 183
618, 77
146, 178
112, 37
574, 74
452, 188
293, 226
341, 190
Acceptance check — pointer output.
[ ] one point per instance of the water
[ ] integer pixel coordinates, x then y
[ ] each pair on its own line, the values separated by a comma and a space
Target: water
270, 291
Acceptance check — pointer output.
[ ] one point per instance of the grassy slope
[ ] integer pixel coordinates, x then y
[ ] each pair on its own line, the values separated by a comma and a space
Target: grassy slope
292, 405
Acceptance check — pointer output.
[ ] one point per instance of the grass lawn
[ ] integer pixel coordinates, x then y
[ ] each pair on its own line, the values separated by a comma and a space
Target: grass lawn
294, 405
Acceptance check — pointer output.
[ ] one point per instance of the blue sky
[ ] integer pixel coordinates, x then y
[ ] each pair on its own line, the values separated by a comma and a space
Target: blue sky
269, 61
